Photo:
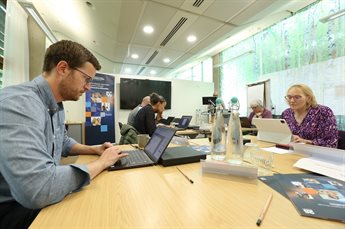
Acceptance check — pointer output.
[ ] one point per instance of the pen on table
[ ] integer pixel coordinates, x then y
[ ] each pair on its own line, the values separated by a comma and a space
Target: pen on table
190, 180
264, 210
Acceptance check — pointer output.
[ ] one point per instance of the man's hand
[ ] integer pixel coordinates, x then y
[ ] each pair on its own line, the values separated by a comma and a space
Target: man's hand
100, 149
108, 157
111, 155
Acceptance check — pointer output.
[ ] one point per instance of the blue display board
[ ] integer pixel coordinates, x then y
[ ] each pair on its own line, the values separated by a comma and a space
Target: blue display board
100, 111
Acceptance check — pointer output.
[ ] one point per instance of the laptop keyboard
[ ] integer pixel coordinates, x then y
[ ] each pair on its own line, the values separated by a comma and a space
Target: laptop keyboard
135, 157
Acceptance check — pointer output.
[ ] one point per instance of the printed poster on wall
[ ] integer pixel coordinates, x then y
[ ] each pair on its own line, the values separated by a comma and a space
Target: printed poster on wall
99, 111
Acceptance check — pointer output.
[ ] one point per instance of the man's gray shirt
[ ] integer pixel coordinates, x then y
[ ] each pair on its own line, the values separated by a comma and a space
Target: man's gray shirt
32, 140
132, 114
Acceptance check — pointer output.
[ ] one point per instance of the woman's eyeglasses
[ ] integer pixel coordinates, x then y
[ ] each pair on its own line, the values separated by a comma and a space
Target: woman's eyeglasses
295, 97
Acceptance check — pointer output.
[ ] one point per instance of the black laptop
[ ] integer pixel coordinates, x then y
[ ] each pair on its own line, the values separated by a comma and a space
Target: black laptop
245, 122
184, 122
167, 121
152, 152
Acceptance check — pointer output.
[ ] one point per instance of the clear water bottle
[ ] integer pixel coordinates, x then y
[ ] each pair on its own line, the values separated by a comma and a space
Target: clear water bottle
218, 138
234, 146
198, 117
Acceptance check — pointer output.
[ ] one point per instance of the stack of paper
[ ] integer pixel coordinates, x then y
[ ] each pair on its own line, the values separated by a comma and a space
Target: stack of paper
322, 160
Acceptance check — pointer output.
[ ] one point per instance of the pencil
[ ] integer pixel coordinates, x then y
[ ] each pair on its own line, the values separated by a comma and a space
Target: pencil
190, 180
264, 210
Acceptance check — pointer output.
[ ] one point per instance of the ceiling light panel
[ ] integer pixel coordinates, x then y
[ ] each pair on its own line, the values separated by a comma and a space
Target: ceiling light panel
148, 29
191, 38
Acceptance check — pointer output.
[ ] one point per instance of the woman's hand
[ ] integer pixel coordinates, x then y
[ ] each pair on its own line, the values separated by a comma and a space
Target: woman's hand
297, 138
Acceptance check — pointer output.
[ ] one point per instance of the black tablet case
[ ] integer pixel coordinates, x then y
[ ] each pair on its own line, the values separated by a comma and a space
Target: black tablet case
181, 155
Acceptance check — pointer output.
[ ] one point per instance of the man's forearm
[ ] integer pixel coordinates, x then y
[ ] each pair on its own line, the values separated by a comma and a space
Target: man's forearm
79, 149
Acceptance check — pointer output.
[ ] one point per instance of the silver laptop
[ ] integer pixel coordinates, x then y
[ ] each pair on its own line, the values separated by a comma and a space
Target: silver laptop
273, 130
152, 152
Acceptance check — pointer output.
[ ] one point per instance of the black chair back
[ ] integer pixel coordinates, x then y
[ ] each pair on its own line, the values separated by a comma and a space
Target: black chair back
341, 139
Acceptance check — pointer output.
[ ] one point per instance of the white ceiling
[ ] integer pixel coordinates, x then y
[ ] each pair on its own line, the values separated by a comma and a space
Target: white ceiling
114, 28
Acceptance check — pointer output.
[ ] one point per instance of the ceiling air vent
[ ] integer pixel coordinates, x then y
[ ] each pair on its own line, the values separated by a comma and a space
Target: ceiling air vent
197, 3
152, 57
174, 30
141, 70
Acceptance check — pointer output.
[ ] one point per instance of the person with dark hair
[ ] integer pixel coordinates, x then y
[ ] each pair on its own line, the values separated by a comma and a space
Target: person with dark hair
159, 116
33, 137
309, 122
145, 122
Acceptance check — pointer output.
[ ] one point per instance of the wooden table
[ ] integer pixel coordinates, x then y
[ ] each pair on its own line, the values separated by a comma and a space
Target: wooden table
160, 197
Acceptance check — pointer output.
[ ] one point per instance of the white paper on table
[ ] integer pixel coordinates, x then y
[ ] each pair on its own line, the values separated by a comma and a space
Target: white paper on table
322, 160
335, 170
274, 149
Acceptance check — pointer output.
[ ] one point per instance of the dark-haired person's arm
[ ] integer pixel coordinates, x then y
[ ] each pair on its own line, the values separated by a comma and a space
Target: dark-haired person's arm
150, 122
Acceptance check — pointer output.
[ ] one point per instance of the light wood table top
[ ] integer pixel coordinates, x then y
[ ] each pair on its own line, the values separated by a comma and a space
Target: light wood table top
161, 197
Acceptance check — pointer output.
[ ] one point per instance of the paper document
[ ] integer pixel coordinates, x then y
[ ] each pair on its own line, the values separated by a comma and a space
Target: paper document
277, 150
336, 171
322, 160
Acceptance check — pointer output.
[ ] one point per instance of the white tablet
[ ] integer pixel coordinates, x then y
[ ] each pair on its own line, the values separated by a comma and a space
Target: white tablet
273, 130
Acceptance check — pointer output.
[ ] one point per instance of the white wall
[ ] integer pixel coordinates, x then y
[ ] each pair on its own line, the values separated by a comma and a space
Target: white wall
186, 97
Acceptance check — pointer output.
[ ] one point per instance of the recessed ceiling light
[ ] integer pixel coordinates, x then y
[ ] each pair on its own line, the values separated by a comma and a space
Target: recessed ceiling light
166, 60
135, 56
153, 72
191, 38
148, 29
128, 70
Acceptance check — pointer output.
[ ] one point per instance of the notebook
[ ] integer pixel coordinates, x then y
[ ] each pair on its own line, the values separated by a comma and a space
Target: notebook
152, 152
245, 122
273, 130
184, 122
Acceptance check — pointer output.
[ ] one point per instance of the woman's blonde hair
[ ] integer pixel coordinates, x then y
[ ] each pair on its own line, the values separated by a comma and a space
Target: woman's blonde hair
311, 100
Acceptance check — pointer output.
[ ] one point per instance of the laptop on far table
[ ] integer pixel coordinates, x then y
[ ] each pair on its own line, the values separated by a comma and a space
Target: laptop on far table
152, 152
167, 121
184, 122
245, 123
273, 130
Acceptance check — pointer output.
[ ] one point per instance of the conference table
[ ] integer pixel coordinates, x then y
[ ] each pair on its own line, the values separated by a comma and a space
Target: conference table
161, 197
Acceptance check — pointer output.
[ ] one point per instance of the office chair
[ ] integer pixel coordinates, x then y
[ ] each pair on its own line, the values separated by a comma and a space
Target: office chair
341, 139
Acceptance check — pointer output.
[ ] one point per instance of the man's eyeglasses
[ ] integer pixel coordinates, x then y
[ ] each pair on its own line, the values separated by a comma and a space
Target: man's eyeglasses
88, 79
253, 107
295, 97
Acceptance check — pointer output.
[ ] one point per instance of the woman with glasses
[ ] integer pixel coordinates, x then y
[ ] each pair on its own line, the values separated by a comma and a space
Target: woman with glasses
309, 122
259, 111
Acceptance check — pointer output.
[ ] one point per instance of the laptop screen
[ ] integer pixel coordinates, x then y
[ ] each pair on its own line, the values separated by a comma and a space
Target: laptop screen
184, 121
159, 141
245, 122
